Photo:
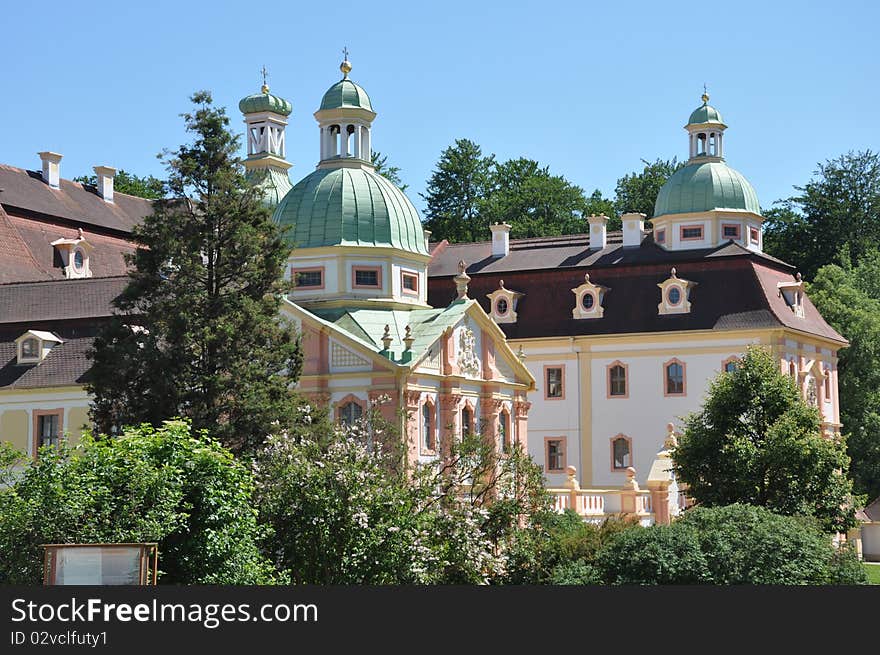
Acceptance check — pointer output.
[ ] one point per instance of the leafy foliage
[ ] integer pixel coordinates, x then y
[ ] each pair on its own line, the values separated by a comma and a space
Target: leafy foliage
849, 298
456, 191
163, 484
380, 162
756, 441
148, 187
344, 512
197, 332
637, 192
535, 203
836, 213
736, 544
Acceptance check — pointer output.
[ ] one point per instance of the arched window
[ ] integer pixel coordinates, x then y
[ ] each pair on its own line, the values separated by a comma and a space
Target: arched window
79, 260
792, 370
729, 365
617, 380
621, 453
674, 378
428, 426
504, 431
350, 413
467, 420
827, 384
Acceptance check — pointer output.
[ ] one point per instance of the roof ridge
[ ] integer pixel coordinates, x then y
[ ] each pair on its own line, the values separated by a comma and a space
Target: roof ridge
80, 280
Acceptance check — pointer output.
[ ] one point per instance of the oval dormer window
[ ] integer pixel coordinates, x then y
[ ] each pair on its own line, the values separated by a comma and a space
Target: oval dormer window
501, 306
673, 295
30, 348
588, 300
79, 260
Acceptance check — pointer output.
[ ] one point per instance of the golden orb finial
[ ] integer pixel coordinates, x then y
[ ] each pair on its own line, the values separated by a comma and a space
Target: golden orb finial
265, 74
705, 96
345, 66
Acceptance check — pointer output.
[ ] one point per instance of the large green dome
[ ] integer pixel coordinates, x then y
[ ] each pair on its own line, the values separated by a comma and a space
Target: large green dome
700, 187
346, 93
350, 207
265, 101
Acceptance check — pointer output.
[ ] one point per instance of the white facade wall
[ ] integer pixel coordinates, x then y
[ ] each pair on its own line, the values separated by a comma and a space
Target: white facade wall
554, 417
642, 416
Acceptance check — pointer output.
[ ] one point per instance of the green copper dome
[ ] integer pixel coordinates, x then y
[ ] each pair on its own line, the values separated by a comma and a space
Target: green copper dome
346, 93
700, 187
705, 113
265, 101
272, 184
350, 207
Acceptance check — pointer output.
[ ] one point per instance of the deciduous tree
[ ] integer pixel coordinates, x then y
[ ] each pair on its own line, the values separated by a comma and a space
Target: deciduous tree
756, 441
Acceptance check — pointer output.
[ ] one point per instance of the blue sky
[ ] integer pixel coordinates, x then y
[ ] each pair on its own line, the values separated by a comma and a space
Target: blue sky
586, 88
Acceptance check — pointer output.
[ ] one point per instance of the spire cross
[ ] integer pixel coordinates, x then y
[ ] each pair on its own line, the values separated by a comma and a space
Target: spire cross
345, 53
705, 91
265, 74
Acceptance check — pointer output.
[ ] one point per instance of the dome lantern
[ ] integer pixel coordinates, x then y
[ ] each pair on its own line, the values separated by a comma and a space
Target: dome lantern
345, 119
265, 117
705, 131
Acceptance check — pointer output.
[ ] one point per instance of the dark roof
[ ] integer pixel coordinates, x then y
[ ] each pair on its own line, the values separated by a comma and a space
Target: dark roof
26, 251
736, 288
66, 364
55, 300
572, 251
80, 204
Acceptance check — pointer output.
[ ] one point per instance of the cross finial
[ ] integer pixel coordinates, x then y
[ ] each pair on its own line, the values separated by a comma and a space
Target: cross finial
705, 93
265, 73
345, 66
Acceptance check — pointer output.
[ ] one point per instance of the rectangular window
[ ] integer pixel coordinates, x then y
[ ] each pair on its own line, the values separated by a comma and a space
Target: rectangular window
503, 427
660, 236
754, 235
410, 283
553, 380
309, 278
555, 455
428, 426
47, 430
674, 379
467, 421
730, 231
621, 457
617, 380
367, 278
691, 232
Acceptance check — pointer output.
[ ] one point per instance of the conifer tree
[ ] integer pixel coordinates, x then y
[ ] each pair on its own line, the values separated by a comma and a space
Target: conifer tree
197, 332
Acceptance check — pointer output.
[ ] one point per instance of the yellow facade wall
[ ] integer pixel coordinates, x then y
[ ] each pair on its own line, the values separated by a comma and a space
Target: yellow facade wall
77, 420
14, 428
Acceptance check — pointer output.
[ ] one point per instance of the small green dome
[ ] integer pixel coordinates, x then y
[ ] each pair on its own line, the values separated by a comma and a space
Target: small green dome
706, 186
265, 101
705, 113
350, 207
346, 93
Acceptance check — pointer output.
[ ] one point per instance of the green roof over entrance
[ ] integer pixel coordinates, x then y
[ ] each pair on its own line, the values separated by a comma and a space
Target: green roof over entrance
350, 207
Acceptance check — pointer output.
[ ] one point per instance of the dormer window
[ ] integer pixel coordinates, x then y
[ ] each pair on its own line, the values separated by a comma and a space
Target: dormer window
589, 298
675, 295
74, 256
34, 345
793, 293
503, 302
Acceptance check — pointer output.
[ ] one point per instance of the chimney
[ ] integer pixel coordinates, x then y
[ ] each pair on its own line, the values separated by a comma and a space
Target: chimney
51, 168
500, 239
105, 175
598, 231
633, 226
